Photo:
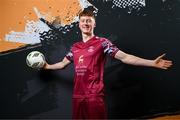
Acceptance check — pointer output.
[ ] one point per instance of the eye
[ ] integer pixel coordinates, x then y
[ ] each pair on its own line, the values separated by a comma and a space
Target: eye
89, 21
82, 20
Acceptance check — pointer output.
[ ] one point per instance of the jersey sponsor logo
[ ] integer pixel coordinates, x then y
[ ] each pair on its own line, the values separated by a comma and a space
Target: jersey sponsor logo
81, 70
91, 49
81, 59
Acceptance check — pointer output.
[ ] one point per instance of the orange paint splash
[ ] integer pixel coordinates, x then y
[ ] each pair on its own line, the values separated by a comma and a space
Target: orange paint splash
15, 13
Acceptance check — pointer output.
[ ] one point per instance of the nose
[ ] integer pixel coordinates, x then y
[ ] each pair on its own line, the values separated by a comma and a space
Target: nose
86, 21
85, 24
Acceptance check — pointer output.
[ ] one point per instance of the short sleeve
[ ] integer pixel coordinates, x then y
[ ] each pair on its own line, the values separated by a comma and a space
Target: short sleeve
109, 48
69, 55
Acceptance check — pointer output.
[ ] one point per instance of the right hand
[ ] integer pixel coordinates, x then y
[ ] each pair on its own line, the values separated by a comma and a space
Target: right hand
45, 65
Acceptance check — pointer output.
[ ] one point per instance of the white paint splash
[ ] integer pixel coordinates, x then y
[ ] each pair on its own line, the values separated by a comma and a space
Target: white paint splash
84, 3
33, 28
31, 33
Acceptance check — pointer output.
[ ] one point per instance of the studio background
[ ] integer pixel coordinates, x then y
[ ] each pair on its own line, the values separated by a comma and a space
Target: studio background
146, 30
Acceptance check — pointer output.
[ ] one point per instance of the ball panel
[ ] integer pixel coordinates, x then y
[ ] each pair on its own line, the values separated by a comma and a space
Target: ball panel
36, 54
28, 63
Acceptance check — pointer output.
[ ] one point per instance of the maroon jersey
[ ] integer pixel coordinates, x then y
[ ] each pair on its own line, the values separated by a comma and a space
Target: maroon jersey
89, 60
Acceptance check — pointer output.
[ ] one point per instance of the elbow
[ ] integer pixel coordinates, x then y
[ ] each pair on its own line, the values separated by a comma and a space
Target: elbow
62, 67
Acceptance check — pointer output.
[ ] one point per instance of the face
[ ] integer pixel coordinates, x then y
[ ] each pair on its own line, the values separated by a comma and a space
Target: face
87, 24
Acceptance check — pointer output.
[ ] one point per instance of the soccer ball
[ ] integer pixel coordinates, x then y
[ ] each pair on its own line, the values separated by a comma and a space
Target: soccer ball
35, 59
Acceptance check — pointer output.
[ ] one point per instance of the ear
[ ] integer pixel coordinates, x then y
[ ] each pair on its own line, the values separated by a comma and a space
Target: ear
94, 24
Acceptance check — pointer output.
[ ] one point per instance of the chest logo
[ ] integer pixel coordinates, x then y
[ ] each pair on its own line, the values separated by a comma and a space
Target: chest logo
81, 59
91, 49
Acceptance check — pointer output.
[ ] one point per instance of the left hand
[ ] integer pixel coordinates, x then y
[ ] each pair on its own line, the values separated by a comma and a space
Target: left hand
161, 63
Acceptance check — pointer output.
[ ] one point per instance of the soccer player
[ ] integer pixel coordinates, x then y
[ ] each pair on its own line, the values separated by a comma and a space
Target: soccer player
89, 56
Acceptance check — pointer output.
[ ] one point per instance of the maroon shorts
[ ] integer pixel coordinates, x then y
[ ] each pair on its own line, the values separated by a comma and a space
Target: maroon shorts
89, 108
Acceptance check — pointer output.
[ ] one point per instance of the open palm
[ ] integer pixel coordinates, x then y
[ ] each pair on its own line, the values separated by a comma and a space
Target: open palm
161, 63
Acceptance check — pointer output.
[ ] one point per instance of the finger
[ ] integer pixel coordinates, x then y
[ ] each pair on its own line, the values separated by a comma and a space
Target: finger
162, 56
165, 68
168, 63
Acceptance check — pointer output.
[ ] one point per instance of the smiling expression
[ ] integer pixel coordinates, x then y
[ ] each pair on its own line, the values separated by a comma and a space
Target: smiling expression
87, 24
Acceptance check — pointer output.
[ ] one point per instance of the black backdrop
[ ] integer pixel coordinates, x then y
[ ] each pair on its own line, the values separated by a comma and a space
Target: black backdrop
131, 91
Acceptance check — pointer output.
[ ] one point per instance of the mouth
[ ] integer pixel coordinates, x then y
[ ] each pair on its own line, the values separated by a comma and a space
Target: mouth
85, 27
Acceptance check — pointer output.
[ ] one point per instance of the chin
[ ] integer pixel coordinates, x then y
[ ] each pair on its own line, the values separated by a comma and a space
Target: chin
88, 33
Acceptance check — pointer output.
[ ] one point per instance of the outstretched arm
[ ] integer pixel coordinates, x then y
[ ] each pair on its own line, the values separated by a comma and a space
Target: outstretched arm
134, 60
59, 65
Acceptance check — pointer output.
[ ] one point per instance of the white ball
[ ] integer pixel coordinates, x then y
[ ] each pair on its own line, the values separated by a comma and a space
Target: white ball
35, 59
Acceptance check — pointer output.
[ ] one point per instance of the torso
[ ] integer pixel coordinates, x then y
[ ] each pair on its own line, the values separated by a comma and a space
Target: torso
89, 59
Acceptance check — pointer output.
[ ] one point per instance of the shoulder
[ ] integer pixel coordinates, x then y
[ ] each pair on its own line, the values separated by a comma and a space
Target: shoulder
76, 44
102, 39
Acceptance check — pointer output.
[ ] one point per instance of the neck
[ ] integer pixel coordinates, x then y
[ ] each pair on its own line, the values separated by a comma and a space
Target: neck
87, 37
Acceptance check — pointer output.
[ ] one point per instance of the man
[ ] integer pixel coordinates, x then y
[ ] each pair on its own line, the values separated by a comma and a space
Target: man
89, 56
